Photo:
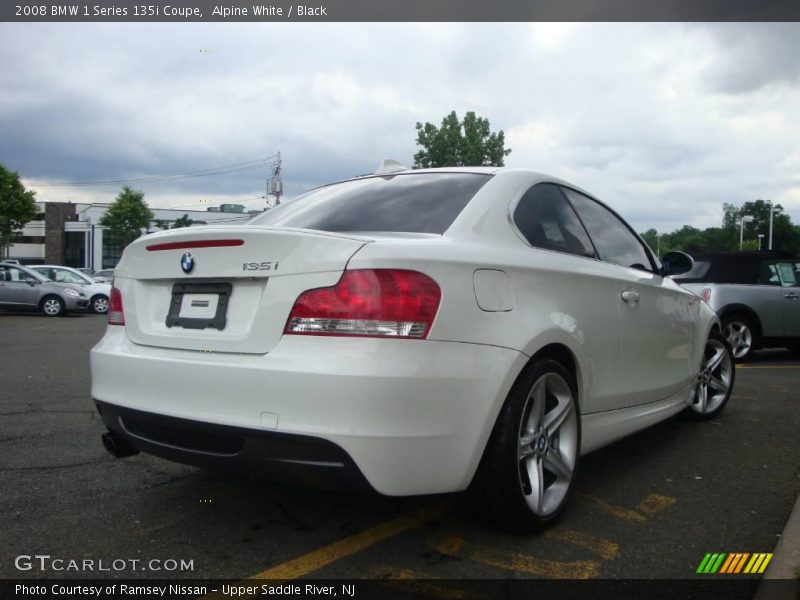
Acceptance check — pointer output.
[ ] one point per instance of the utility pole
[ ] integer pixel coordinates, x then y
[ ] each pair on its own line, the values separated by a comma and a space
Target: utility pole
275, 185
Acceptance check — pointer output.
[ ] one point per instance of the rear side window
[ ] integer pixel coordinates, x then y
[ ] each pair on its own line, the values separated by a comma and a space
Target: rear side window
779, 273
416, 203
547, 221
613, 239
12, 274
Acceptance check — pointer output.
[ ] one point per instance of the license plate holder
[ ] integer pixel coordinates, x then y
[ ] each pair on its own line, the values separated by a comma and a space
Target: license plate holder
205, 293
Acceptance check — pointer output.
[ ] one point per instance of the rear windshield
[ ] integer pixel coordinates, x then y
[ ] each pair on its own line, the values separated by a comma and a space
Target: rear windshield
415, 203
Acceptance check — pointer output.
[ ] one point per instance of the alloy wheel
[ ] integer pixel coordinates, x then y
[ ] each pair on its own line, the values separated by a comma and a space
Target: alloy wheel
100, 305
52, 307
715, 379
740, 337
548, 444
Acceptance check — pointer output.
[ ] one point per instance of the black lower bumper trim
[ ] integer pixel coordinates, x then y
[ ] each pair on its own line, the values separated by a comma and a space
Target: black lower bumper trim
264, 454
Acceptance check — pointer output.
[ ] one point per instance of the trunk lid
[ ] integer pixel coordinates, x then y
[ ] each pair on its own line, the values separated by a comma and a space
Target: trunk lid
224, 289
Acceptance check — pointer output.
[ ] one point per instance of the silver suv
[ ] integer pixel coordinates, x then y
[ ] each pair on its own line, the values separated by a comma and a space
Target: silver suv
755, 294
23, 288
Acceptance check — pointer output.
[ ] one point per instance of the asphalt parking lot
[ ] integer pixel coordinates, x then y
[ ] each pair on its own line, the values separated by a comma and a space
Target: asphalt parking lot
650, 506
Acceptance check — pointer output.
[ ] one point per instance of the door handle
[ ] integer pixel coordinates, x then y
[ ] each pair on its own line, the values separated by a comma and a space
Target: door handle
791, 295
630, 297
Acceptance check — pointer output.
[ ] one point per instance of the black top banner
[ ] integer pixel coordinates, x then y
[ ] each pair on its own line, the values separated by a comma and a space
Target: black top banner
403, 11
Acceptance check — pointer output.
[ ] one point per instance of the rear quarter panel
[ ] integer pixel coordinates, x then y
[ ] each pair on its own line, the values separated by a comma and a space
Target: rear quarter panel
557, 298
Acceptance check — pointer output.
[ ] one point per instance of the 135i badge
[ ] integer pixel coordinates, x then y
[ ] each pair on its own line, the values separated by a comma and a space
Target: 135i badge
260, 266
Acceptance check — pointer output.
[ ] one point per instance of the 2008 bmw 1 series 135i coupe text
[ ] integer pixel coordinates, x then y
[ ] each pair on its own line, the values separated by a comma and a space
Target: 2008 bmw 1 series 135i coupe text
409, 332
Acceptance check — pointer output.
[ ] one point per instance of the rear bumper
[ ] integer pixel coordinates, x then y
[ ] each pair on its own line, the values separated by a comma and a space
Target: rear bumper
275, 456
412, 417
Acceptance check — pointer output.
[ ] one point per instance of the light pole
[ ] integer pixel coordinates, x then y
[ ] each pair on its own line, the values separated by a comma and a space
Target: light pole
771, 212
760, 237
742, 220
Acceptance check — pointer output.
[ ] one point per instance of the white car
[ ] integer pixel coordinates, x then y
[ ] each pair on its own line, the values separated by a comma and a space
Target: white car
104, 276
409, 333
98, 293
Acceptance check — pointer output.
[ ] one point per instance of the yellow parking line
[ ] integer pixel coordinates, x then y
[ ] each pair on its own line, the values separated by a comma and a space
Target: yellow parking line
655, 503
518, 562
606, 549
321, 557
618, 511
316, 559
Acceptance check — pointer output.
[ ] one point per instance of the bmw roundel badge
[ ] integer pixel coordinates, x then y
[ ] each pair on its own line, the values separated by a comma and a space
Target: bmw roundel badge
187, 262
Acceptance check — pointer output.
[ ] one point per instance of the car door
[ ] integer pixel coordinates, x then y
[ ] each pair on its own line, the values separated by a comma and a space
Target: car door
575, 290
19, 288
772, 298
5, 290
788, 271
656, 315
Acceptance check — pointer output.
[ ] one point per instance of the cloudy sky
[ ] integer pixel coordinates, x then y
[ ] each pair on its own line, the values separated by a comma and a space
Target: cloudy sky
665, 122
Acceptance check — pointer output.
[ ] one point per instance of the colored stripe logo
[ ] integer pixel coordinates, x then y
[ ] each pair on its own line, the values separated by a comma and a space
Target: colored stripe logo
734, 563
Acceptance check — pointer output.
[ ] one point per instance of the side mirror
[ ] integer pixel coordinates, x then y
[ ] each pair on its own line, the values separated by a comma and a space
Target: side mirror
33, 282
676, 263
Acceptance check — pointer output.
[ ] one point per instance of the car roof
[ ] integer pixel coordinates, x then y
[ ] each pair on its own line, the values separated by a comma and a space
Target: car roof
730, 267
24, 268
53, 267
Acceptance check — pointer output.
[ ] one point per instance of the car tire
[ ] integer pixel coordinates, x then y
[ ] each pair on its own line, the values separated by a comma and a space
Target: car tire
52, 306
532, 456
715, 380
741, 333
99, 304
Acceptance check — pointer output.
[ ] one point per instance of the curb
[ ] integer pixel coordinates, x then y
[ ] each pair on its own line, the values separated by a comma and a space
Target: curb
782, 578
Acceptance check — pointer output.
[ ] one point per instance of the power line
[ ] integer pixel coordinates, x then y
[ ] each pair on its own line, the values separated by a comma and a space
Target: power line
235, 168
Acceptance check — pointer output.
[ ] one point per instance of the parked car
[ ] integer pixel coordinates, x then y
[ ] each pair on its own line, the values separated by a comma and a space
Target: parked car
97, 292
86, 271
22, 288
409, 333
104, 276
755, 294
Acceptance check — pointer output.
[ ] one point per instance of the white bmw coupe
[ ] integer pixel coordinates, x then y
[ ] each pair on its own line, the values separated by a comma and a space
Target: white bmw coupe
409, 333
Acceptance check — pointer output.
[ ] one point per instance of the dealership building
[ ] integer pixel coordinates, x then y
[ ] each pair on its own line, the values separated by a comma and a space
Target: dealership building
69, 234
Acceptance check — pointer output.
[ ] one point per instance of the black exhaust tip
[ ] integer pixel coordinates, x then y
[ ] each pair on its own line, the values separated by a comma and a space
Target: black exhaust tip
117, 446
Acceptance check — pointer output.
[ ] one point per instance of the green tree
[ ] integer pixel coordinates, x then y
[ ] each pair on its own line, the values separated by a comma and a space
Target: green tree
730, 215
126, 217
460, 143
651, 239
183, 221
721, 238
17, 207
785, 236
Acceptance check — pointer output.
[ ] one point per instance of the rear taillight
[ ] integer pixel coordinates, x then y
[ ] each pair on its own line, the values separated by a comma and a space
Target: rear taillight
116, 316
705, 295
369, 303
